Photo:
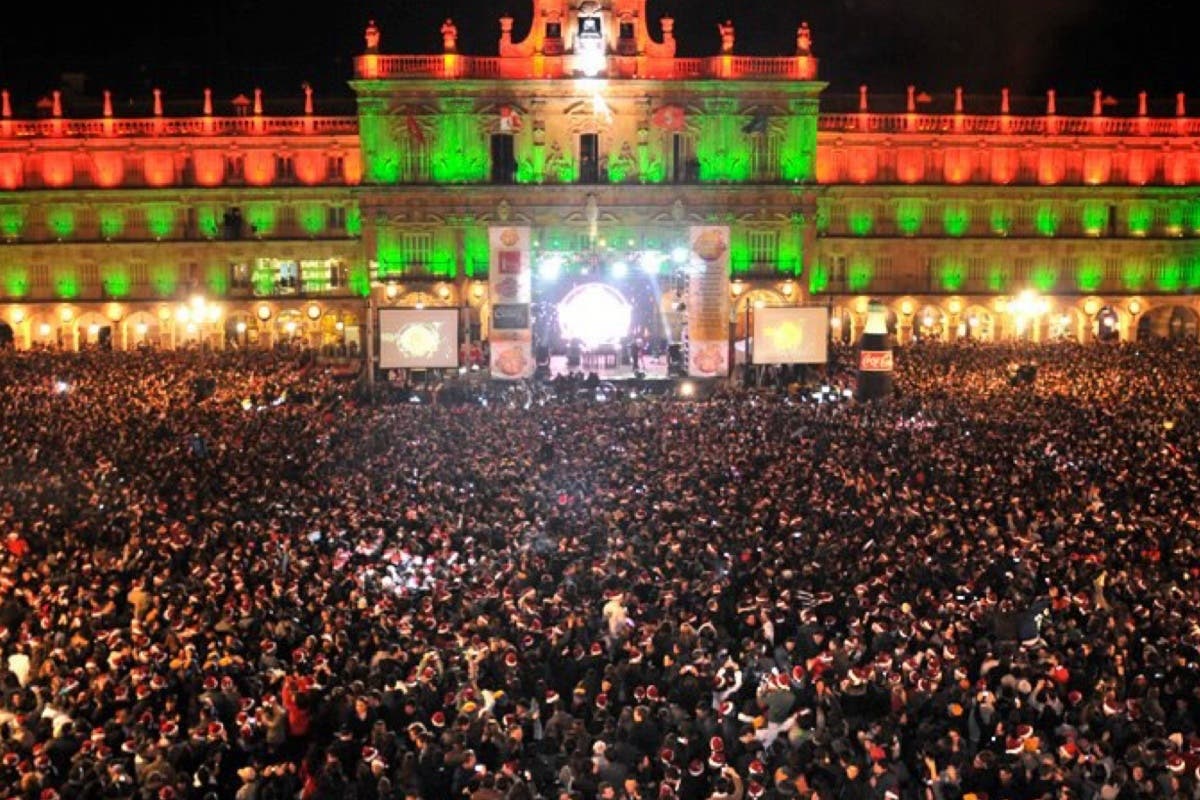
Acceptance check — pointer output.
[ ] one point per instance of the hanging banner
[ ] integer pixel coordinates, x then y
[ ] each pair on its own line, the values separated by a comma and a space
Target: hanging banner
510, 284
708, 302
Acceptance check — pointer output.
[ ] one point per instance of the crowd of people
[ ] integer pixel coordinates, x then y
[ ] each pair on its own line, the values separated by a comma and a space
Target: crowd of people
232, 575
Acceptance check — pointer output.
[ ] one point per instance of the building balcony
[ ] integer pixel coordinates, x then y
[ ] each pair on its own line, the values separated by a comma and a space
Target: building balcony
545, 66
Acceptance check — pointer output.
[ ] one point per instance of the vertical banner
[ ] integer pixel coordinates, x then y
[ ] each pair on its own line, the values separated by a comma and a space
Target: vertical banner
708, 302
510, 285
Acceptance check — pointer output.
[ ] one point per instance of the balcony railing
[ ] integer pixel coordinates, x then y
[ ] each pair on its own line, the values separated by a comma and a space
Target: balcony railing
179, 126
451, 65
1002, 124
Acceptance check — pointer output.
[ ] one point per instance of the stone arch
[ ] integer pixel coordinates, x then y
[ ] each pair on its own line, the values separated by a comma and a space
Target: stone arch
141, 328
930, 323
980, 323
1173, 322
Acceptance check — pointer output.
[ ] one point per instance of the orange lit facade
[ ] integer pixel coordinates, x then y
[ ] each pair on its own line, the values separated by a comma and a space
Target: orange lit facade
979, 217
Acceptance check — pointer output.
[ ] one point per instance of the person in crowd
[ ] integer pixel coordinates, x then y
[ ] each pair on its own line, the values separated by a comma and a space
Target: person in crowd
973, 590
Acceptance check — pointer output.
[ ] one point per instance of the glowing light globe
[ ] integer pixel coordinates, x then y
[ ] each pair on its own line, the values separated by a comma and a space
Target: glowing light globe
595, 314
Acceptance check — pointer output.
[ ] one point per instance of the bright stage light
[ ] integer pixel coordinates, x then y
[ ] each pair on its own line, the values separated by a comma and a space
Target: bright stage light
687, 389
680, 255
595, 314
652, 262
550, 267
620, 269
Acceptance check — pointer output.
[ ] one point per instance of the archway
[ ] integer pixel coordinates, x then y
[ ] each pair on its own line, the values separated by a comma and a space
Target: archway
94, 330
141, 329
1108, 325
1175, 323
980, 326
7, 339
1066, 325
929, 325
843, 325
241, 329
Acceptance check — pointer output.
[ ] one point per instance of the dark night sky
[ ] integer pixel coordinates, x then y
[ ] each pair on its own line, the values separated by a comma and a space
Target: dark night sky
1030, 45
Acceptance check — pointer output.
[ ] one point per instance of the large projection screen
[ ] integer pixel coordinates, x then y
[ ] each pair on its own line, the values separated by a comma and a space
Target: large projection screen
412, 338
791, 335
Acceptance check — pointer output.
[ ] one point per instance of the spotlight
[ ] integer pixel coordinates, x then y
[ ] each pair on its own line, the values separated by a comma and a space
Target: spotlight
679, 255
687, 389
651, 263
550, 268
620, 269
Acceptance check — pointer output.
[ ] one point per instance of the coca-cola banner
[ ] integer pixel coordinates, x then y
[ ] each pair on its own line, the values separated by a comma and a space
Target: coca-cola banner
708, 302
510, 285
875, 361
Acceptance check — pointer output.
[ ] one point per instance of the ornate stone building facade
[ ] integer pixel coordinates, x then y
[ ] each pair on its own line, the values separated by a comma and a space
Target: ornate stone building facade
970, 216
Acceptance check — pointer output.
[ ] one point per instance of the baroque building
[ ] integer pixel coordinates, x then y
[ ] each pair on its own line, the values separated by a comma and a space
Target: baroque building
971, 217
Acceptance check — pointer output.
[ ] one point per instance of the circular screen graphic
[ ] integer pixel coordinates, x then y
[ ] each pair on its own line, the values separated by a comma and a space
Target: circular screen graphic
595, 314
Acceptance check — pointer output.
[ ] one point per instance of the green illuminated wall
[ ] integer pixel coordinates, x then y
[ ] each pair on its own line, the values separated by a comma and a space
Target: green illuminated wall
956, 219
999, 277
798, 159
116, 280
112, 222
216, 278
791, 249
818, 277
860, 273
952, 273
1094, 218
312, 217
1134, 272
360, 280
910, 215
722, 148
389, 254
354, 221
739, 252
15, 279
66, 282
164, 279
475, 251
261, 218
1139, 216
1090, 275
12, 221
459, 150
208, 220
1000, 217
61, 221
1047, 219
160, 220
378, 140
1044, 276
651, 168
1170, 279
861, 220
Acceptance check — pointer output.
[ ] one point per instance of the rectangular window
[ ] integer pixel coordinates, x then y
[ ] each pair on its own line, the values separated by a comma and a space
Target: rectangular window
235, 168
764, 248
336, 218
335, 168
417, 248
285, 168
837, 271
684, 167
589, 158
504, 162
316, 276
765, 157
239, 276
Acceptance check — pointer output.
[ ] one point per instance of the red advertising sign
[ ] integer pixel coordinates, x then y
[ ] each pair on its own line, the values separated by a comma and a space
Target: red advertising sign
509, 262
875, 361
